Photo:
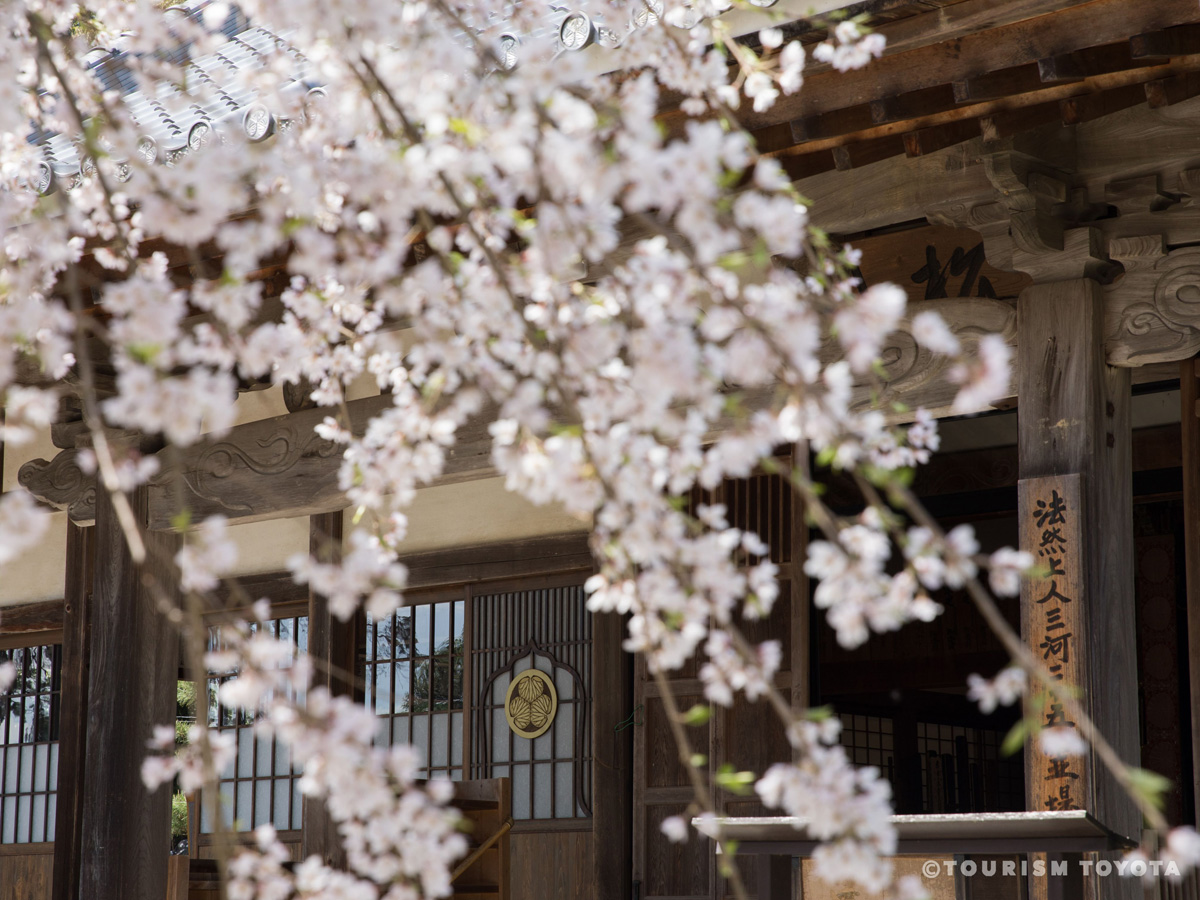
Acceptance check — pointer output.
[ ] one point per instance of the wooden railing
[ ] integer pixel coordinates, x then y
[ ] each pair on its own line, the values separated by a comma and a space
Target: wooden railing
482, 873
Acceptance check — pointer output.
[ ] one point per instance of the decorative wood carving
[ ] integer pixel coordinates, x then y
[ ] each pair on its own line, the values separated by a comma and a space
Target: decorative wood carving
261, 468
61, 483
1152, 314
917, 377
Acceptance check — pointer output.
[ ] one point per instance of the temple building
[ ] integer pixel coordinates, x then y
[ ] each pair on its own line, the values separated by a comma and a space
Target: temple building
1025, 167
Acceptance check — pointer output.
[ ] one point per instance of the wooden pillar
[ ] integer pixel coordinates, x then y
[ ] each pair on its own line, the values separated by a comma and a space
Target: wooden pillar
131, 688
612, 767
1075, 455
1189, 388
73, 706
333, 645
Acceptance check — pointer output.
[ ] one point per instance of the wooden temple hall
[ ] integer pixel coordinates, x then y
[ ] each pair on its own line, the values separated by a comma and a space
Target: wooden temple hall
1027, 167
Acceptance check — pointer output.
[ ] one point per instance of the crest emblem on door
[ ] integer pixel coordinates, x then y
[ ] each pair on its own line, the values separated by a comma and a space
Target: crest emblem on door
530, 703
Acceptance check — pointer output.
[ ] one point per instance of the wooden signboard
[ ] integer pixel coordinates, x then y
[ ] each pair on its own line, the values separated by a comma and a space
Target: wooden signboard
1054, 625
935, 262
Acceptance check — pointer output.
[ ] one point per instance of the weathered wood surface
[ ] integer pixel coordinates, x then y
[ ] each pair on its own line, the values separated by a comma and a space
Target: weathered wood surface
1153, 314
279, 468
508, 559
333, 644
131, 689
1075, 420
1189, 382
259, 464
61, 483
973, 53
612, 758
46, 615
555, 865
26, 875
76, 611
1056, 616
486, 804
937, 262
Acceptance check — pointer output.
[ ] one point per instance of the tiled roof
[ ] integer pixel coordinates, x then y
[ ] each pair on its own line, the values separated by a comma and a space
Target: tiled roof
171, 121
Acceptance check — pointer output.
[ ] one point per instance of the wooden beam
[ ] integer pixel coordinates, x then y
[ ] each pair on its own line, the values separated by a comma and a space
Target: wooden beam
1177, 41
1002, 83
1189, 390
1080, 26
1075, 447
1085, 108
912, 105
73, 705
1006, 123
863, 153
266, 464
334, 645
278, 468
938, 137
1169, 91
280, 463
131, 689
46, 615
510, 559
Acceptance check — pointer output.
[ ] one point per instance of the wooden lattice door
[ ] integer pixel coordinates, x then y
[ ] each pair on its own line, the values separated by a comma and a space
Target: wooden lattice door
748, 736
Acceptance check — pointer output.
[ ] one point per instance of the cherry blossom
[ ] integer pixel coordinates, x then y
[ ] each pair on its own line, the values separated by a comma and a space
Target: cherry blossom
635, 314
1061, 740
1003, 690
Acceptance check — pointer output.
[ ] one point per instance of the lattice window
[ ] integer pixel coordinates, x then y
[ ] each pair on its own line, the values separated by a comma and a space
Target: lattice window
260, 786
869, 742
414, 680
29, 713
549, 629
962, 770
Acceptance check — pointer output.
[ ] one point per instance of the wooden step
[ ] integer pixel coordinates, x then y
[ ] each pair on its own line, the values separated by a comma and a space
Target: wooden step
466, 803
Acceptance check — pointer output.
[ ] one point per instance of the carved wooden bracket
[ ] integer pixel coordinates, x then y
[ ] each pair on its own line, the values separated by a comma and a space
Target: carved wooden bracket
61, 483
917, 377
1152, 314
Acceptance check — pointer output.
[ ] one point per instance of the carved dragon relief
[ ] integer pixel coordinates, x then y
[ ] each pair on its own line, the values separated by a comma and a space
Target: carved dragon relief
61, 483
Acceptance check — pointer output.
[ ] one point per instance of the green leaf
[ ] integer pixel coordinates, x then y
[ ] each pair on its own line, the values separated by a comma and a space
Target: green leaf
698, 761
740, 783
182, 521
733, 261
818, 713
291, 225
697, 715
143, 353
1015, 739
1149, 786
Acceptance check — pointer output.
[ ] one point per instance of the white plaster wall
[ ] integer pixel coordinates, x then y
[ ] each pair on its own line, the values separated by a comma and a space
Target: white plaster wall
253, 406
267, 546
477, 512
40, 572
